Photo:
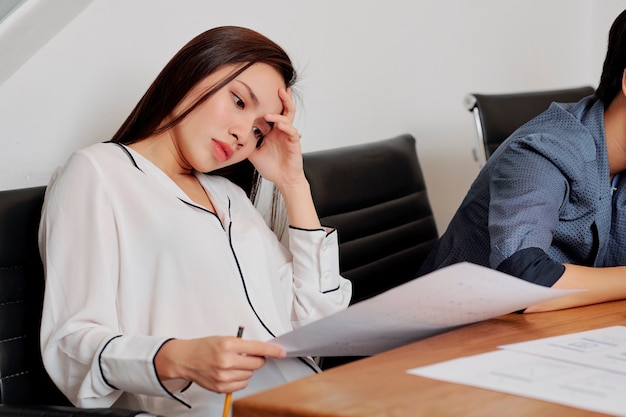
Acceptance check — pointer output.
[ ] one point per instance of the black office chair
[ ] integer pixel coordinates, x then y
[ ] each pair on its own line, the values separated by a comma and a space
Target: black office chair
374, 194
499, 115
25, 388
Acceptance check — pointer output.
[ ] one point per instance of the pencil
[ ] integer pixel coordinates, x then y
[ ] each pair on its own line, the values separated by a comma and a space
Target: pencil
229, 395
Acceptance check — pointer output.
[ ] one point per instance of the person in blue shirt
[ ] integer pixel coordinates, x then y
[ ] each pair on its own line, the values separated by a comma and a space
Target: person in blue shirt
549, 206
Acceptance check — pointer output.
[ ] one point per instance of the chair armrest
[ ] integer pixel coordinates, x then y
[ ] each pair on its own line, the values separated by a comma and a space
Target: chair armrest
63, 411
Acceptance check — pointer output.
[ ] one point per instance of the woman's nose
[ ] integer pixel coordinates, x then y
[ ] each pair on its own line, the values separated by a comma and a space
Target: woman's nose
241, 132
235, 133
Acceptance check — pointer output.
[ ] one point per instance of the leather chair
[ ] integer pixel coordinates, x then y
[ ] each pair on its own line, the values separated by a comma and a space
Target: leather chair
374, 194
25, 388
499, 115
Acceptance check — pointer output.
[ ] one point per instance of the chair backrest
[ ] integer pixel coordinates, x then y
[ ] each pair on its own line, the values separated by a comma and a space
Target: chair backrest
374, 194
498, 115
23, 379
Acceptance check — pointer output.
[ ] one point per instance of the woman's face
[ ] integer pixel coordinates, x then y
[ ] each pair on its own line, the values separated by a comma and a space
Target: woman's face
225, 128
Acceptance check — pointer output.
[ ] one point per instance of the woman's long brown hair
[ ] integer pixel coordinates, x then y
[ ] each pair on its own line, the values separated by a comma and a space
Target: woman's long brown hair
199, 58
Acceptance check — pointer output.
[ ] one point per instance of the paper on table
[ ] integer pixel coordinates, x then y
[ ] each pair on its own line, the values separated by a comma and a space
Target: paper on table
584, 369
442, 300
535, 377
603, 348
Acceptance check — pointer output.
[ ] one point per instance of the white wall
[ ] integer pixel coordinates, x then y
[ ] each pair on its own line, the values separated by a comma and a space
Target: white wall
369, 69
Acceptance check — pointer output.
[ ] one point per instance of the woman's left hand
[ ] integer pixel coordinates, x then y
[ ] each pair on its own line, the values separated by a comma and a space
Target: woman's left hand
279, 159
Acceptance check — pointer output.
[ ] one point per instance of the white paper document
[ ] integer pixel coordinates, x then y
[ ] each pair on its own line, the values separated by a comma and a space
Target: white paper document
600, 348
586, 370
442, 300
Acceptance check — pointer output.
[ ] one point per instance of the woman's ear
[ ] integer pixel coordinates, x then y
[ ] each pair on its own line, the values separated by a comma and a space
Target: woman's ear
624, 82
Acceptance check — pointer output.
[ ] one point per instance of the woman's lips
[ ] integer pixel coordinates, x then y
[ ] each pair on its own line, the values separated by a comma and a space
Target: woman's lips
223, 151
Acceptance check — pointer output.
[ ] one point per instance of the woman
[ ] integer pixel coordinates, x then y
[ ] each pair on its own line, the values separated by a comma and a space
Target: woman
152, 265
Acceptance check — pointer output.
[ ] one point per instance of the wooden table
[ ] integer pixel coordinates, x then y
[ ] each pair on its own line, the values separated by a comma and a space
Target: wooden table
379, 385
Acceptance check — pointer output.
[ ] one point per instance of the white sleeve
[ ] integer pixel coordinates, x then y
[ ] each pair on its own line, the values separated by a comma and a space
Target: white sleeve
80, 335
319, 289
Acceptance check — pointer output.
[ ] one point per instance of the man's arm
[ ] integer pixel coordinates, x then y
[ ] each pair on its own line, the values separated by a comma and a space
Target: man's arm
601, 285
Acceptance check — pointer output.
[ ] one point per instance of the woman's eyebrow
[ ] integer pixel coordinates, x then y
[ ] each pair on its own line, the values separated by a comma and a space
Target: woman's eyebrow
252, 95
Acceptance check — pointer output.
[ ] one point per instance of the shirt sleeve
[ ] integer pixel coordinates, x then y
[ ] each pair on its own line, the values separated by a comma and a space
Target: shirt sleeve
527, 191
81, 340
533, 265
318, 287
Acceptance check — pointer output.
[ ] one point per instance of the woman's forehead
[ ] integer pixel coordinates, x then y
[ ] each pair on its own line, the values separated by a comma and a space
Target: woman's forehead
259, 79
263, 81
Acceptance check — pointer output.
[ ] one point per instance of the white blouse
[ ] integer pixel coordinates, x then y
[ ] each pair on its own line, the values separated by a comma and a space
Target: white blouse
131, 262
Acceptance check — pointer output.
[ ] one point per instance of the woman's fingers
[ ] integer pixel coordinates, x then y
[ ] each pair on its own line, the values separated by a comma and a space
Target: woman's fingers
286, 117
282, 124
256, 348
239, 361
289, 107
217, 363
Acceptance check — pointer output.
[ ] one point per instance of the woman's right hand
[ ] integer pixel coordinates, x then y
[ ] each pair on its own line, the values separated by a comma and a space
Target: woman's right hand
217, 363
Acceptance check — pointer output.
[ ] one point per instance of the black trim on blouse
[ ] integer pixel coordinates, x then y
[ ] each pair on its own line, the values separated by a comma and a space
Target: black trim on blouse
306, 230
333, 290
159, 379
100, 362
243, 281
245, 289
130, 156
